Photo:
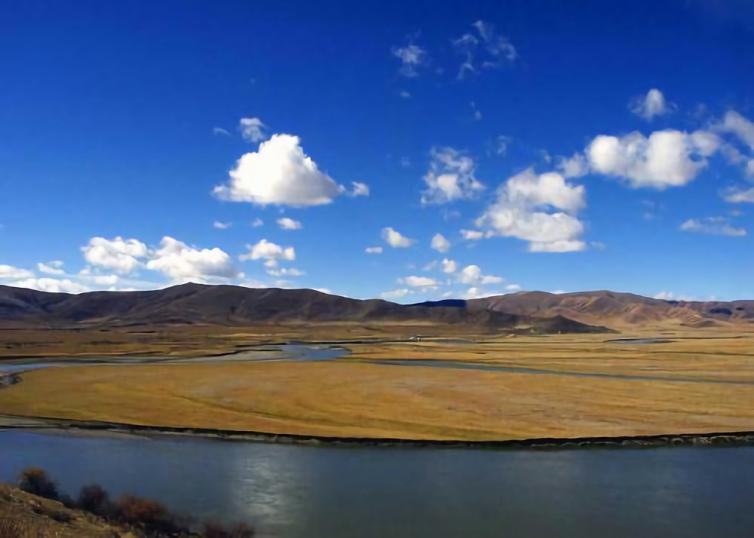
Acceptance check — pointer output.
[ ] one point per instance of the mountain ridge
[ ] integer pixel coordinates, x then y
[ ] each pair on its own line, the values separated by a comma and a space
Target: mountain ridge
193, 303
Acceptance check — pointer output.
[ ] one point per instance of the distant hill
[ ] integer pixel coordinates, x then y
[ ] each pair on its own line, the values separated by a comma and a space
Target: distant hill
239, 306
619, 310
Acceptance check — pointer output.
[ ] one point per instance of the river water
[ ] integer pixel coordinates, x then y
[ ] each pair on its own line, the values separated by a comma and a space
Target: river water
329, 492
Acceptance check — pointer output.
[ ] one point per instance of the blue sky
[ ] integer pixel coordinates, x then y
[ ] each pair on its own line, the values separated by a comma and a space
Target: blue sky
604, 146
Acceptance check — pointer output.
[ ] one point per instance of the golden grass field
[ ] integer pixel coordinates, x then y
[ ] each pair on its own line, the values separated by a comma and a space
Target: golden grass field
701, 382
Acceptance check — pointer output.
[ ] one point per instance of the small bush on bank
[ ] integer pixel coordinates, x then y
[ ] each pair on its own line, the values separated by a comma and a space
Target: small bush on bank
146, 514
35, 480
94, 499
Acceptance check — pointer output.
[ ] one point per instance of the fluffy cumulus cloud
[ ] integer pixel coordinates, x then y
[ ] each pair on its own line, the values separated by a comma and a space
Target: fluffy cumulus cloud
419, 281
279, 173
54, 267
412, 57
450, 177
52, 285
541, 209
9, 272
472, 275
483, 48
449, 266
666, 158
181, 262
713, 226
472, 235
396, 294
735, 123
739, 196
651, 105
117, 254
573, 166
359, 188
270, 252
252, 129
219, 225
440, 243
287, 223
395, 239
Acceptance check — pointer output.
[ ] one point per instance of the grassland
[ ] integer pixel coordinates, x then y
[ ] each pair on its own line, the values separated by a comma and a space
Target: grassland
553, 386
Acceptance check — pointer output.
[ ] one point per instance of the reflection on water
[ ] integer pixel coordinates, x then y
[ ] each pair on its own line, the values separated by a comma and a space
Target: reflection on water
331, 492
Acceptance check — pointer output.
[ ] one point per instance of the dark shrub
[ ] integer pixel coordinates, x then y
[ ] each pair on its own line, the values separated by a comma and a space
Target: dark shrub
93, 498
35, 480
145, 513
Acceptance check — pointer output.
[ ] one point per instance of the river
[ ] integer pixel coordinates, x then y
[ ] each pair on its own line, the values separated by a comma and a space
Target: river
330, 492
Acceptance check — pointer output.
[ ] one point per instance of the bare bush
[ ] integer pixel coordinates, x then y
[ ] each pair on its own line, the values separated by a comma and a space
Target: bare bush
35, 480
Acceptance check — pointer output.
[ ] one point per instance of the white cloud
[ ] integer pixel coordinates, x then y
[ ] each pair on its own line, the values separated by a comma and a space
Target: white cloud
220, 131
440, 243
182, 262
667, 158
713, 226
251, 129
564, 245
419, 281
218, 225
476, 292
574, 166
8, 272
483, 49
475, 112
373, 250
395, 239
51, 285
117, 254
257, 222
472, 274
279, 173
286, 223
54, 267
270, 252
106, 280
359, 189
735, 123
501, 145
285, 272
412, 57
513, 288
472, 235
449, 266
450, 177
739, 196
540, 209
650, 105
396, 294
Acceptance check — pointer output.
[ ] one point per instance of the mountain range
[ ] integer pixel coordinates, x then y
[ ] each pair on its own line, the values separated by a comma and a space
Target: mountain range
239, 306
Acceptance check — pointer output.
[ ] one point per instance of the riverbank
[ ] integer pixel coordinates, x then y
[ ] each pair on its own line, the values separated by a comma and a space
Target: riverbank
638, 441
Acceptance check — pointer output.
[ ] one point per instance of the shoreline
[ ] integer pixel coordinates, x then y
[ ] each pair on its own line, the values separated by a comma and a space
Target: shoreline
41, 424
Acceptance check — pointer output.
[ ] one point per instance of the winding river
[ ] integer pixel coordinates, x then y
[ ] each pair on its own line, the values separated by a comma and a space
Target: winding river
333, 492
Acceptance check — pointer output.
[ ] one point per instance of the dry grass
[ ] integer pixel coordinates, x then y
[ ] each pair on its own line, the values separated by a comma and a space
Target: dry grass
354, 398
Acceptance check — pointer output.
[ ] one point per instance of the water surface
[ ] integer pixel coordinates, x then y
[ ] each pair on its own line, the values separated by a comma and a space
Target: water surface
329, 492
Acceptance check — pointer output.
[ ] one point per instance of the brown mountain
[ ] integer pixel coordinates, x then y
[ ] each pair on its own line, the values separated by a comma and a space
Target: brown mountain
620, 310
239, 306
